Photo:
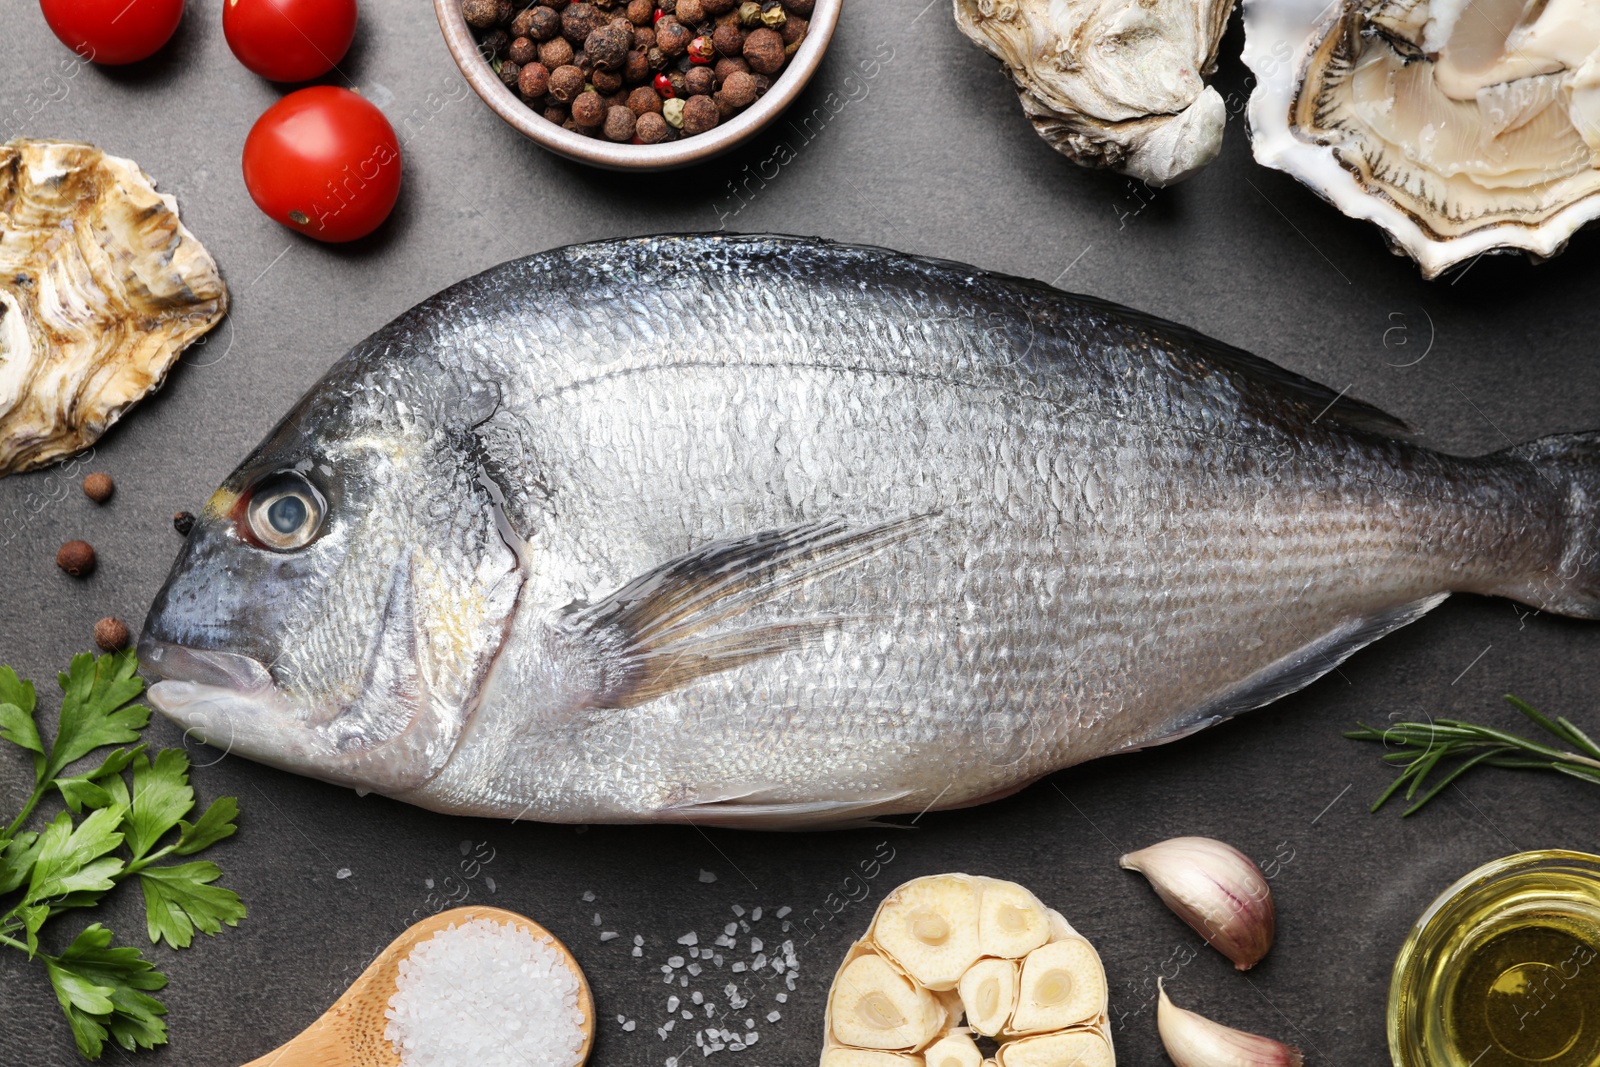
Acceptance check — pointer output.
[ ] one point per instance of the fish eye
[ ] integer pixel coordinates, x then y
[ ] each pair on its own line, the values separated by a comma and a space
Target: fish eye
285, 511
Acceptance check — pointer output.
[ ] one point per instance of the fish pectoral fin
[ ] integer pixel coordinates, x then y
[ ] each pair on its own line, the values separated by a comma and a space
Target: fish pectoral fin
758, 809
1295, 671
659, 632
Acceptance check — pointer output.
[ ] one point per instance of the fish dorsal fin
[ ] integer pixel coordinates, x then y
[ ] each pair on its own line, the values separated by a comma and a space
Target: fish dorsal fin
660, 632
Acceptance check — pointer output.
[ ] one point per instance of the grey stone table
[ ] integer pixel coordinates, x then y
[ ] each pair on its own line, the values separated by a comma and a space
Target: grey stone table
923, 149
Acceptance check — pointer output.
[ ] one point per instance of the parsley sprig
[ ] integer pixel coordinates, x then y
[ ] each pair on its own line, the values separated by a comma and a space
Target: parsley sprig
123, 817
1422, 748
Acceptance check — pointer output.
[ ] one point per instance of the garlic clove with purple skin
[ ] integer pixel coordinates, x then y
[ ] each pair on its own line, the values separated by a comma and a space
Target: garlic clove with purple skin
1192, 1040
1214, 888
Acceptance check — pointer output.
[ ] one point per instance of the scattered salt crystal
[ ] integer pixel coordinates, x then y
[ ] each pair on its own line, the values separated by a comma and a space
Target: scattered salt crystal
694, 969
622, 1018
707, 877
755, 944
673, 1002
690, 938
670, 1024
488, 883
755, 916
637, 951
674, 961
751, 1038
597, 918
588, 896
342, 873
698, 997
749, 1024
428, 882
787, 927
782, 998
485, 993
687, 1014
774, 1016
738, 910
731, 929
629, 1026
737, 968
638, 939
608, 935
783, 911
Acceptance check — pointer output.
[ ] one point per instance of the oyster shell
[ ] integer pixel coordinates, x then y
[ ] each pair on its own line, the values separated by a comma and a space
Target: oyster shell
1459, 126
1112, 83
100, 288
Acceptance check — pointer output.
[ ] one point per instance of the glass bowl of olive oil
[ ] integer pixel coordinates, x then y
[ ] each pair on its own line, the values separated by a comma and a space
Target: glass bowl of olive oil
1503, 970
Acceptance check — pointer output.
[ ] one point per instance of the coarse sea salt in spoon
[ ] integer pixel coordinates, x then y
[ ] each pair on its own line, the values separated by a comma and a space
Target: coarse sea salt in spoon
469, 985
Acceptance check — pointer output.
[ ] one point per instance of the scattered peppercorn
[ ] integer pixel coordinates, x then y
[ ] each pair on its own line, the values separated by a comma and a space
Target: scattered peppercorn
111, 634
98, 487
699, 114
638, 71
183, 522
76, 558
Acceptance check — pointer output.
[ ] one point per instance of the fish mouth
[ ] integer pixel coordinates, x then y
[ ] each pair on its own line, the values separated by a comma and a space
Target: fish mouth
210, 668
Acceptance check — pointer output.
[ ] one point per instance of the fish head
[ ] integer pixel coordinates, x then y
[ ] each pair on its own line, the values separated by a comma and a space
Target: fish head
338, 604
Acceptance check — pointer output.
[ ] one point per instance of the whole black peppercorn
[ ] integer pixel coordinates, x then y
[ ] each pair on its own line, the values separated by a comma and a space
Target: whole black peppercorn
719, 7
502, 15
183, 522
763, 83
620, 123
644, 37
680, 84
98, 487
641, 12
652, 128
583, 62
700, 81
644, 101
793, 31
480, 14
76, 558
509, 73
493, 45
543, 23
728, 39
578, 21
739, 89
729, 65
556, 113
699, 114
556, 52
655, 59
637, 69
533, 81
522, 50
691, 12
800, 7
565, 84
588, 109
667, 7
522, 24
608, 47
763, 50
672, 36
111, 634
606, 81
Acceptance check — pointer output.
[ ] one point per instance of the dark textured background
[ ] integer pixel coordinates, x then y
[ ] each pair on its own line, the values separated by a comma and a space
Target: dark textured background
930, 156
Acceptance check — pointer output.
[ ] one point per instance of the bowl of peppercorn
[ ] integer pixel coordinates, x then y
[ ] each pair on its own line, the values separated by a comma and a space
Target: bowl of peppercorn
638, 84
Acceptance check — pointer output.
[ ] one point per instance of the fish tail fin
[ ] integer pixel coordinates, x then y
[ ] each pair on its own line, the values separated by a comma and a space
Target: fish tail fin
1567, 580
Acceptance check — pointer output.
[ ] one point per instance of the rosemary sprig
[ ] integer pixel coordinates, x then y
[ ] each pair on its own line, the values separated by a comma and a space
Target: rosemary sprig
1421, 747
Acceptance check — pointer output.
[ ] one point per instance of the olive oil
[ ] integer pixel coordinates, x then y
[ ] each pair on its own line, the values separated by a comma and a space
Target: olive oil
1503, 970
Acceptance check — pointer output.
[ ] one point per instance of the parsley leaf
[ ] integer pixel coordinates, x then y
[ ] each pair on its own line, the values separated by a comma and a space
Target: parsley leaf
179, 900
121, 833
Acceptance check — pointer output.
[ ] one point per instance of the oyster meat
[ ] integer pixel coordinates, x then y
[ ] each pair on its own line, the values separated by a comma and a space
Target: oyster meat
1459, 126
100, 288
1112, 83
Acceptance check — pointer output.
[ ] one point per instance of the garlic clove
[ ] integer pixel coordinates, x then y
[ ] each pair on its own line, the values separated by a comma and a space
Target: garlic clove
1062, 984
1214, 888
1194, 1041
954, 1049
1075, 1048
1011, 921
860, 1057
930, 927
989, 995
873, 1006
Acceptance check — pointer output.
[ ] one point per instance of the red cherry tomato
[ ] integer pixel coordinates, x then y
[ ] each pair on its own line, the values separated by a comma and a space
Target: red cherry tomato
113, 32
289, 40
323, 162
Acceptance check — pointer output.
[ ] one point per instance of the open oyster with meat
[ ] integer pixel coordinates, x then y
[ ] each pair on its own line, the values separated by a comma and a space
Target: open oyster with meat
1458, 127
1112, 83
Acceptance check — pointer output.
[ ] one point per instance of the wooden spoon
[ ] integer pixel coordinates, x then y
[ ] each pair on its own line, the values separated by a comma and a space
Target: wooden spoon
350, 1034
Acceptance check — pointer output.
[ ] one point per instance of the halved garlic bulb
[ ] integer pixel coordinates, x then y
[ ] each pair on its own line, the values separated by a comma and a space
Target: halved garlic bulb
954, 947
989, 995
1214, 888
930, 926
1062, 984
954, 1049
872, 1005
1076, 1048
1192, 1040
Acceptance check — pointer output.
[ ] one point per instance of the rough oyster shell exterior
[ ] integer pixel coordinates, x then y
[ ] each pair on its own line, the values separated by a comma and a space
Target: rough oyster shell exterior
100, 288
1112, 83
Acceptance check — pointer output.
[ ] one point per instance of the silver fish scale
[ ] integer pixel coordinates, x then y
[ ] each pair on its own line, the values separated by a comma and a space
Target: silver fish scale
1100, 562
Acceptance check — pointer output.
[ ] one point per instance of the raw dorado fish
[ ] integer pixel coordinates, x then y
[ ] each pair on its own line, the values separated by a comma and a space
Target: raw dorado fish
760, 531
